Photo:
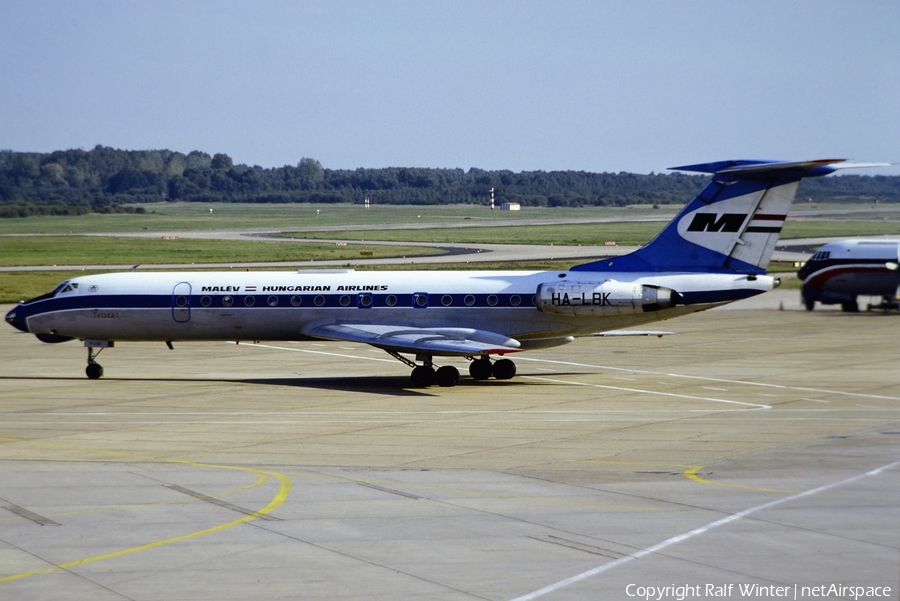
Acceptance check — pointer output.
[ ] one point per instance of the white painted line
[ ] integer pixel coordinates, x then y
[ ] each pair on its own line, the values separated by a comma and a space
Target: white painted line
815, 400
600, 413
654, 392
708, 379
695, 532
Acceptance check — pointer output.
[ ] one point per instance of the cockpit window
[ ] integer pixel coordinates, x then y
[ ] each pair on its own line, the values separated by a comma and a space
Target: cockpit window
60, 288
50, 294
822, 255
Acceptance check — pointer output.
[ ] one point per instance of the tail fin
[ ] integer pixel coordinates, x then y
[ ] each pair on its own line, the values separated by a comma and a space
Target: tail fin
731, 225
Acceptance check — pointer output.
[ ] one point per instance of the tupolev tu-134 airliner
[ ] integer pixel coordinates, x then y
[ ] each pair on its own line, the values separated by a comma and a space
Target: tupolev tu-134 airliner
713, 252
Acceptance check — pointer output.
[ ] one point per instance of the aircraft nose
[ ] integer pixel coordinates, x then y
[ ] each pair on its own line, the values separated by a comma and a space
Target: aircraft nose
16, 320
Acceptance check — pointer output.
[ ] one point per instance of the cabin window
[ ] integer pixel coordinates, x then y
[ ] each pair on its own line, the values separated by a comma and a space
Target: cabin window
249, 301
227, 301
364, 301
272, 301
492, 300
181, 301
515, 300
296, 301
320, 300
206, 301
420, 300
469, 300
390, 300
446, 300
345, 301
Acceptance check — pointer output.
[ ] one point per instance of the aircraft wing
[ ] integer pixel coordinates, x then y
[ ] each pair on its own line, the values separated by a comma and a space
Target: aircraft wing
433, 341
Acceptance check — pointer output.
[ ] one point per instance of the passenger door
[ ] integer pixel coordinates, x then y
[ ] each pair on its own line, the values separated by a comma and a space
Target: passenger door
181, 302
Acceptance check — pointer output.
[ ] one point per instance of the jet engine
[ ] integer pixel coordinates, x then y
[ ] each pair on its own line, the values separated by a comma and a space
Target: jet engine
603, 298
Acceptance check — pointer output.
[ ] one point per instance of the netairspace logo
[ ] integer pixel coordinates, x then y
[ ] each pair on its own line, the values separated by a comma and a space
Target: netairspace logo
680, 592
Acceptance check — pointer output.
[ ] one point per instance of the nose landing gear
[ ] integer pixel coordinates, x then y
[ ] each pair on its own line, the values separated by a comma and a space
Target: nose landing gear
94, 370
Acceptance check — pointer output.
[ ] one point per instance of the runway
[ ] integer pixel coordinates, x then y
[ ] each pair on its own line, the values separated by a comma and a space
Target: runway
752, 447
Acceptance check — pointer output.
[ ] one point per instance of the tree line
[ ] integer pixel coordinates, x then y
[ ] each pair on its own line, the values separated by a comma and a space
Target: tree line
104, 179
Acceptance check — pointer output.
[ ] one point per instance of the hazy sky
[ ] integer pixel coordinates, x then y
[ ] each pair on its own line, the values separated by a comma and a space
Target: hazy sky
596, 85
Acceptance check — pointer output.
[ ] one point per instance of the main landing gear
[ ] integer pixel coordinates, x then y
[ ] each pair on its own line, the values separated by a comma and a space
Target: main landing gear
482, 368
424, 376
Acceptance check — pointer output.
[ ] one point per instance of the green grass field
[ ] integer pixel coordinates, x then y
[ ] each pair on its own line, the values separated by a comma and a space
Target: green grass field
844, 228
108, 250
173, 217
165, 217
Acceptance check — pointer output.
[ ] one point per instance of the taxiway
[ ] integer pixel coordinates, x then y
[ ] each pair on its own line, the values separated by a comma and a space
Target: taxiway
753, 446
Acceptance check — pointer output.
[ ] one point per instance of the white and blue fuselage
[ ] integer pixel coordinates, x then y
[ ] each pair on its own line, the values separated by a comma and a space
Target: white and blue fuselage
169, 306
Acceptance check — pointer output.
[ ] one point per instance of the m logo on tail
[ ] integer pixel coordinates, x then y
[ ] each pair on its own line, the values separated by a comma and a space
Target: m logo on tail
711, 222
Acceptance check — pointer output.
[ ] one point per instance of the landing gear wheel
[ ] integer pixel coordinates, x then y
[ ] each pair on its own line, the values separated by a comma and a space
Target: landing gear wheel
447, 376
423, 376
94, 371
504, 369
480, 369
809, 304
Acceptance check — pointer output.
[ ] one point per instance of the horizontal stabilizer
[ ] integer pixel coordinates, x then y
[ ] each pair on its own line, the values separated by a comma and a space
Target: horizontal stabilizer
766, 169
861, 165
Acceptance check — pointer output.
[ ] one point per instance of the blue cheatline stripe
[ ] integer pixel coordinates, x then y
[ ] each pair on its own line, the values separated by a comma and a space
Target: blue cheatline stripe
265, 301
